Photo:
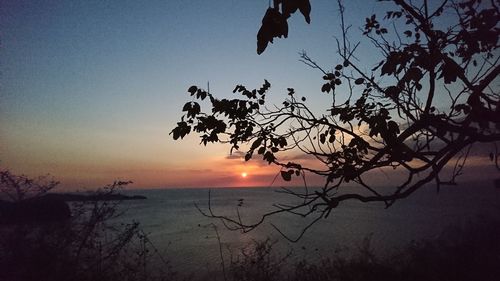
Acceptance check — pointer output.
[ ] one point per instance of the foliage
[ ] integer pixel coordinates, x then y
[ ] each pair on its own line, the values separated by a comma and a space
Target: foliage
257, 261
274, 23
17, 188
432, 95
88, 246
467, 252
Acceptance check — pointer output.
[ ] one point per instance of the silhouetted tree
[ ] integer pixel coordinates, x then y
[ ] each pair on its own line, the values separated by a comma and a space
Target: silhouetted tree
433, 94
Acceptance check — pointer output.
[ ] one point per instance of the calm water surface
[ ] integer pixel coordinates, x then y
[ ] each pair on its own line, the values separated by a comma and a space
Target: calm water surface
189, 241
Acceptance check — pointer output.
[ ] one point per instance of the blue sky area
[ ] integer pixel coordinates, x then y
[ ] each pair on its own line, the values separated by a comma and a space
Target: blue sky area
91, 89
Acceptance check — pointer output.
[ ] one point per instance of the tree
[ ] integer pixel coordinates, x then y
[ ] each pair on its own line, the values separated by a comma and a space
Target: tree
392, 117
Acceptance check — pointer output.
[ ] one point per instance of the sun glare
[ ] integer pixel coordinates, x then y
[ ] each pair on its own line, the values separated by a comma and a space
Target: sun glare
244, 174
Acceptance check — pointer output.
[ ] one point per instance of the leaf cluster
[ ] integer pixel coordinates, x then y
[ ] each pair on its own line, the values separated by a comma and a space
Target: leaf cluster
274, 23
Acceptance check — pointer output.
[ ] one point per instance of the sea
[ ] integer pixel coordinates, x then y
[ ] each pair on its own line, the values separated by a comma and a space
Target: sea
192, 242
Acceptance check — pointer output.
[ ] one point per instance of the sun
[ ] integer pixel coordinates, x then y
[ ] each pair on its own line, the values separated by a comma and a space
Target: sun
244, 174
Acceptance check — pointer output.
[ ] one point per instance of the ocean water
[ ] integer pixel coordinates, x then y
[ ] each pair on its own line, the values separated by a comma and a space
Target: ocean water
188, 239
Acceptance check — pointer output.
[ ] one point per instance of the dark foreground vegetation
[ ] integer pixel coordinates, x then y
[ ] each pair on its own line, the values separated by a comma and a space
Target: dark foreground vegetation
88, 245
63, 252
469, 252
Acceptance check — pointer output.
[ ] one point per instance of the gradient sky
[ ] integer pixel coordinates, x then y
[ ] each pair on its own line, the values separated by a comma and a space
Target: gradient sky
91, 89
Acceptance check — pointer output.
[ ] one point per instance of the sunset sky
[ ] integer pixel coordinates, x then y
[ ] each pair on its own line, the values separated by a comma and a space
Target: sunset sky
89, 90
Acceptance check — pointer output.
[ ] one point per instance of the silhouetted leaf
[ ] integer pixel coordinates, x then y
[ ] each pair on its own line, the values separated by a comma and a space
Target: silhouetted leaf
449, 71
289, 7
392, 91
192, 90
181, 130
322, 138
269, 157
326, 88
192, 109
274, 24
261, 150
359, 81
331, 139
305, 9
256, 143
286, 176
329, 76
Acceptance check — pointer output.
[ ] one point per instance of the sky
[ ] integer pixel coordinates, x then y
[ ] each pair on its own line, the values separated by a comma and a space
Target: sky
89, 90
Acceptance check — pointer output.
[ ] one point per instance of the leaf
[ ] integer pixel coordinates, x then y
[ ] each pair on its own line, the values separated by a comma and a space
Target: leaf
359, 81
326, 88
392, 91
181, 130
289, 7
331, 139
450, 71
248, 156
322, 138
192, 108
274, 24
269, 157
256, 143
261, 150
329, 76
192, 90
175, 133
305, 9
286, 176
282, 142
414, 74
